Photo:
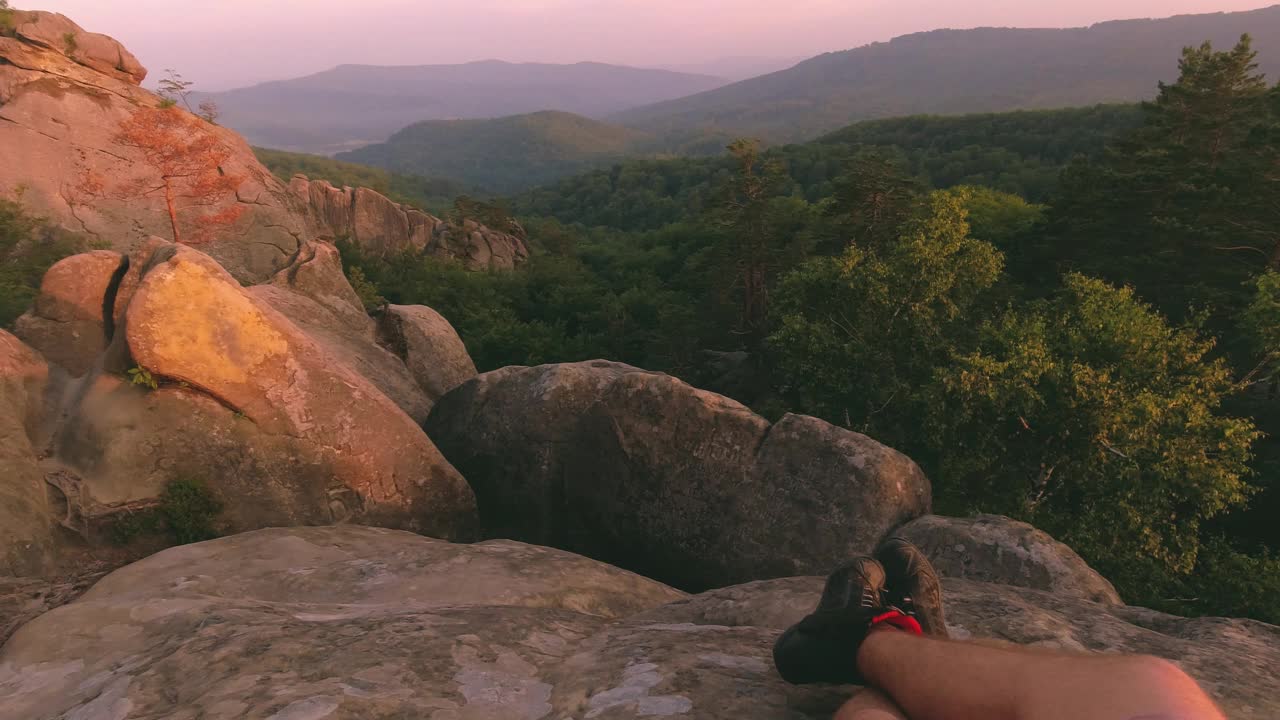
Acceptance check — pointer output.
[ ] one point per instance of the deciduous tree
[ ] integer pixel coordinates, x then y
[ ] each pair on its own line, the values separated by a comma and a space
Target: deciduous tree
185, 162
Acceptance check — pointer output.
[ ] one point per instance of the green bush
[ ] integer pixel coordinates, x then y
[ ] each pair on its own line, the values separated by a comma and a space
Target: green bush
366, 290
185, 514
28, 248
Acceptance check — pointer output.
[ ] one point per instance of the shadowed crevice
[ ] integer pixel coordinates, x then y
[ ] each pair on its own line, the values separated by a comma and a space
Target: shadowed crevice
109, 300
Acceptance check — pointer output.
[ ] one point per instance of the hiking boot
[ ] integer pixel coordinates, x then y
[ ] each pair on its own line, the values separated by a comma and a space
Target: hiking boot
912, 585
823, 647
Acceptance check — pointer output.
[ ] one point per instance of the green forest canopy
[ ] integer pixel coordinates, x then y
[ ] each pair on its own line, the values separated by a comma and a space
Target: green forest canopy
1038, 359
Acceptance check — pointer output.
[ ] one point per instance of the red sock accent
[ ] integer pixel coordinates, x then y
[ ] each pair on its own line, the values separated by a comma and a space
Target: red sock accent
896, 618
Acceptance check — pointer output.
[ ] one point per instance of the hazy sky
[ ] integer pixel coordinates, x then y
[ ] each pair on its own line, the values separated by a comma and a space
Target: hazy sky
227, 43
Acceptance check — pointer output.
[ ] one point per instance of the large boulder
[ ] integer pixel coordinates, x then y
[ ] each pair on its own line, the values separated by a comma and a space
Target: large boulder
384, 228
280, 398
67, 323
26, 529
429, 347
640, 469
350, 622
191, 325
997, 549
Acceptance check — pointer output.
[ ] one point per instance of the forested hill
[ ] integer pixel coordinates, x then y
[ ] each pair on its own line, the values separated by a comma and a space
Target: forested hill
1101, 362
353, 105
963, 71
1017, 152
513, 154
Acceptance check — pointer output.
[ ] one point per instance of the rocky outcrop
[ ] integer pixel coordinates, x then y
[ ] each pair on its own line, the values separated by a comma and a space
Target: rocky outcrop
190, 322
313, 293
286, 423
384, 228
68, 322
642, 470
348, 622
26, 529
997, 549
57, 32
62, 105
59, 145
429, 346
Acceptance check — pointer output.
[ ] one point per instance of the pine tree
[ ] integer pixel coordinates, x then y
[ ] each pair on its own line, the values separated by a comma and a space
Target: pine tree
1187, 207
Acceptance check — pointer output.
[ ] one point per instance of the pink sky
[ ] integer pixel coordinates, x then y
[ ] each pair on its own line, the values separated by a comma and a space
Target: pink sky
228, 43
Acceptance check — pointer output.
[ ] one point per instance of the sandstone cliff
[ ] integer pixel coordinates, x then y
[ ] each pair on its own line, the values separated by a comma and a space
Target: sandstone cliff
62, 103
382, 227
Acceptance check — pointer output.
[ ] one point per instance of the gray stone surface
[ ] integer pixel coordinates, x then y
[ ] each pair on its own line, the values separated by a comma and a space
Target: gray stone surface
641, 470
370, 624
997, 549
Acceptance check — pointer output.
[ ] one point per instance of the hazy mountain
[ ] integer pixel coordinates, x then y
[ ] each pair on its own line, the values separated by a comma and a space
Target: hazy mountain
354, 105
516, 153
736, 68
962, 71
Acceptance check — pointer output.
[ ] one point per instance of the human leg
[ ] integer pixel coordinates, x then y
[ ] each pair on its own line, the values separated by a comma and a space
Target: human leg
932, 679
870, 704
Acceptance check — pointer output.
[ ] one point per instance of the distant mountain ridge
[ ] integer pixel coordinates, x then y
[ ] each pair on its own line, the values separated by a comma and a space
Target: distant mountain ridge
961, 71
354, 105
513, 154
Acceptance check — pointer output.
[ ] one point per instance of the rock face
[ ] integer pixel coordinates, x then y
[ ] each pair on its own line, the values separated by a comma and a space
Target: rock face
67, 324
62, 117
996, 549
62, 105
98, 52
689, 487
348, 622
385, 228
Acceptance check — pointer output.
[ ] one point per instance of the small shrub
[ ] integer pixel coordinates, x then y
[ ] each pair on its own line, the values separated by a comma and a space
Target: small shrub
184, 515
142, 376
69, 44
29, 246
189, 509
366, 290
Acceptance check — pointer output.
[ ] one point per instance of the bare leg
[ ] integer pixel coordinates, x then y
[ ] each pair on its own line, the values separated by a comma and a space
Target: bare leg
870, 704
933, 679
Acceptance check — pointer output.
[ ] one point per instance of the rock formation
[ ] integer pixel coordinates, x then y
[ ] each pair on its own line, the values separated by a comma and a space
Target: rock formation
26, 528
287, 423
67, 322
61, 121
382, 227
57, 32
429, 346
996, 549
62, 105
691, 488
348, 622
